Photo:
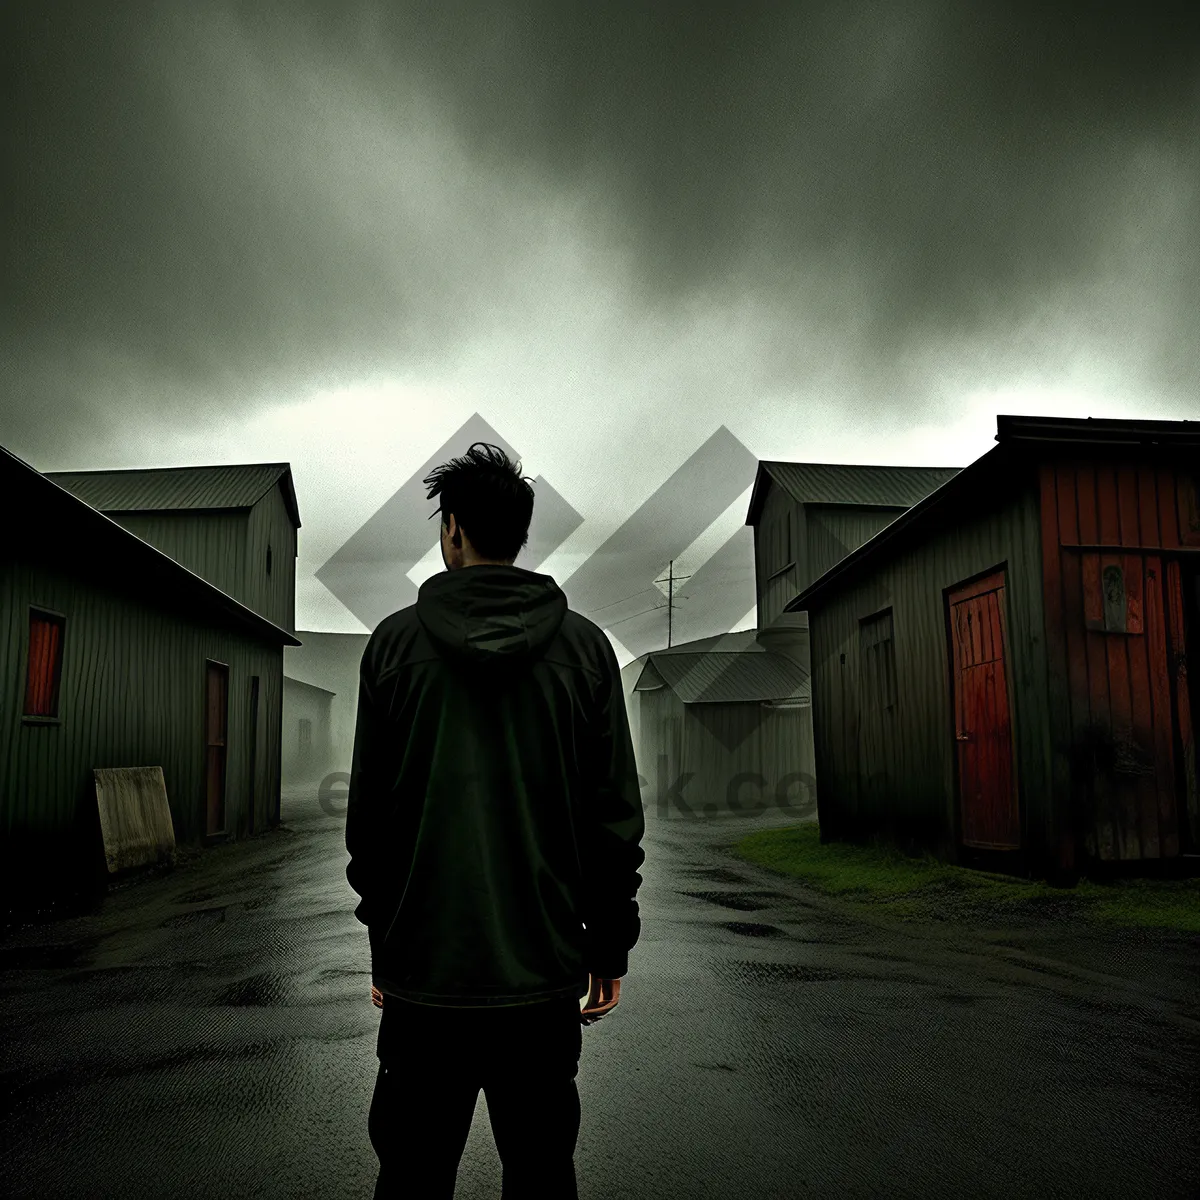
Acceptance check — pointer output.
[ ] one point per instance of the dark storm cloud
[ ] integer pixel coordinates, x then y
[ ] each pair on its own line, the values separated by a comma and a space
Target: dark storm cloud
220, 199
950, 160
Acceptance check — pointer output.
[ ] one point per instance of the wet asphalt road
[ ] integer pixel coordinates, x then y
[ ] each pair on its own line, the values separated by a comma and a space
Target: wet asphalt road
210, 1034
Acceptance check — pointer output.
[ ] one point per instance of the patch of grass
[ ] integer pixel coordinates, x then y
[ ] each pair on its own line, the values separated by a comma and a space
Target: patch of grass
923, 888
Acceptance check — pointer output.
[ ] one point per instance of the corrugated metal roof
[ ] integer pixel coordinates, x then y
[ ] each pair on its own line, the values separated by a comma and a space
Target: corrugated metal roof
178, 488
144, 556
729, 677
841, 483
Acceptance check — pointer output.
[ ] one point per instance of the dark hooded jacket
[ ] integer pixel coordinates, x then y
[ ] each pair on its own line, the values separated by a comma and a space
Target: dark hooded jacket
494, 816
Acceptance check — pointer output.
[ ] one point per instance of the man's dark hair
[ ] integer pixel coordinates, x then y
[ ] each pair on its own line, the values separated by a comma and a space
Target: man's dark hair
489, 497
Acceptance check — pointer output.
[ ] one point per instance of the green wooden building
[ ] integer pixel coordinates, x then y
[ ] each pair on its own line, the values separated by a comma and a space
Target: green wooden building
809, 516
120, 652
1001, 674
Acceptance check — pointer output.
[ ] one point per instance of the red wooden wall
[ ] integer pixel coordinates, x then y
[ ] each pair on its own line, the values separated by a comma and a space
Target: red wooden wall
1116, 640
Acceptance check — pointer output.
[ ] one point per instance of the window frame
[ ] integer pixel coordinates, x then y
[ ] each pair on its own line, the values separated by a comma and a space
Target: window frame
51, 617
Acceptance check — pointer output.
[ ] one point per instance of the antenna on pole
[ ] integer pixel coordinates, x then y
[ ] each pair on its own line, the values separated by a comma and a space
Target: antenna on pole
670, 582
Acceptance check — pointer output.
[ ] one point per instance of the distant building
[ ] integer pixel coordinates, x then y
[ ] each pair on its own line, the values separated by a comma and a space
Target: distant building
1007, 672
331, 661
307, 741
723, 706
809, 516
116, 655
722, 726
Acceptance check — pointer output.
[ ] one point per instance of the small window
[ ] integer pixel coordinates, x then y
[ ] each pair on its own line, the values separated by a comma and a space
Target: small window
1112, 592
1114, 599
268, 560
877, 661
45, 664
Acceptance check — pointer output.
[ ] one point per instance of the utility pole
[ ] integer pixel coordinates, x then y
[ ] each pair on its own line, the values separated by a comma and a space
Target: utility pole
670, 582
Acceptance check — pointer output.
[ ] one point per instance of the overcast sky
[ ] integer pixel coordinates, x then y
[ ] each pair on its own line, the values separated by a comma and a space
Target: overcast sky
328, 233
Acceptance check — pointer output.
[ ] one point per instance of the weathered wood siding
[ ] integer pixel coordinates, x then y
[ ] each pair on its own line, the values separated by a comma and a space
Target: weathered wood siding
914, 789
834, 530
210, 544
1116, 752
273, 594
132, 694
229, 549
717, 757
778, 544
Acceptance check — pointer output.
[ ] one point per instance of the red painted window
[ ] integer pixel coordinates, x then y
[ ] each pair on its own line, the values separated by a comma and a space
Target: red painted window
45, 664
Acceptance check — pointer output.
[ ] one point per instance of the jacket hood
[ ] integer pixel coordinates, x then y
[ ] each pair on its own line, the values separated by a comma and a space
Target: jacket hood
491, 616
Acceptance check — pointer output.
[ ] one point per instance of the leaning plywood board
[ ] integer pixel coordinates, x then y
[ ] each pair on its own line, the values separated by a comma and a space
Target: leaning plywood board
135, 817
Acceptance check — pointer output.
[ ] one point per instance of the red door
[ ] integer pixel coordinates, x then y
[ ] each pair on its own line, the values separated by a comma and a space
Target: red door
215, 724
982, 724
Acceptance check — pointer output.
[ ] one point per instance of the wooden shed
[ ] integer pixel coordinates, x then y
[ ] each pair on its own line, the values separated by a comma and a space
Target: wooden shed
723, 727
307, 729
1006, 672
235, 525
808, 516
115, 655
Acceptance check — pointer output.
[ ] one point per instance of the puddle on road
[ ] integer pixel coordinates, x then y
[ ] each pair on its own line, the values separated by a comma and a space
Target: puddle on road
742, 971
751, 929
196, 898
259, 991
714, 875
332, 973
740, 901
191, 918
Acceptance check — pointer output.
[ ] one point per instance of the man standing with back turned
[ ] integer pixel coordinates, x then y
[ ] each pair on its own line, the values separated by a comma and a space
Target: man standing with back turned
494, 823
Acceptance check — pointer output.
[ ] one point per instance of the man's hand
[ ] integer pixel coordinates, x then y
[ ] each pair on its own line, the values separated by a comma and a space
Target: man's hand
602, 998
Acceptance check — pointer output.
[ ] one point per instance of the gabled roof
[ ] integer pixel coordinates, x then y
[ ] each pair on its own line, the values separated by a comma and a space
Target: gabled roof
839, 483
42, 498
742, 640
1013, 434
725, 677
159, 489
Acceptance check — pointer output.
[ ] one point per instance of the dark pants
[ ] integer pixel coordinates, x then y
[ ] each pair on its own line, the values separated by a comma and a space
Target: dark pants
432, 1064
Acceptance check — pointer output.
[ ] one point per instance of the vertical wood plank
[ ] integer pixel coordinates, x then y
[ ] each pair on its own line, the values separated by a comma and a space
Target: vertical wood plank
1108, 531
1077, 522
1169, 516
1184, 728
1062, 829
1187, 504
